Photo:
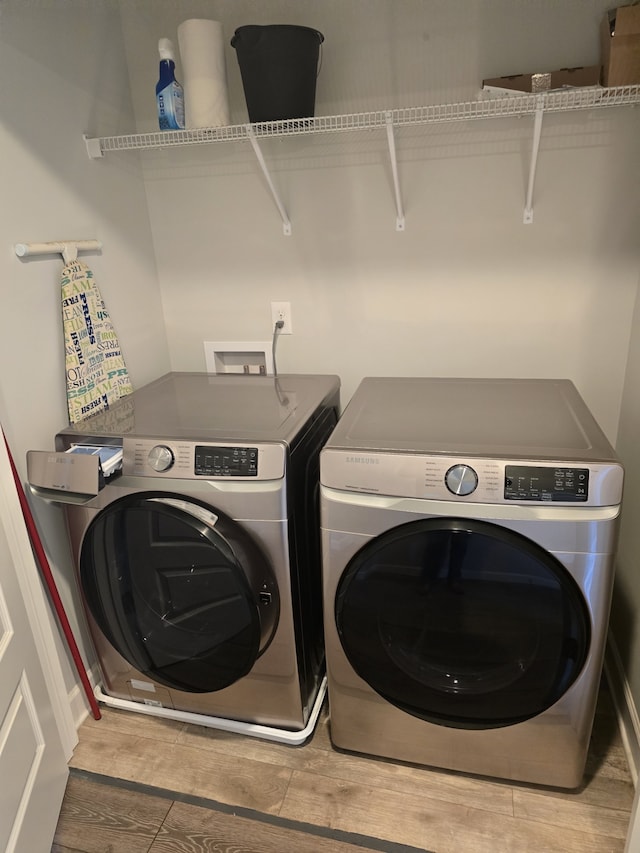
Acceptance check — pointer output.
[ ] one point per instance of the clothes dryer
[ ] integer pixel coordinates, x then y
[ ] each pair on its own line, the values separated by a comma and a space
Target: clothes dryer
468, 529
199, 563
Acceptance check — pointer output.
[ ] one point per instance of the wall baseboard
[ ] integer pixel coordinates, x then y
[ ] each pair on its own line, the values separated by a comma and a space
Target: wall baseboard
628, 719
80, 709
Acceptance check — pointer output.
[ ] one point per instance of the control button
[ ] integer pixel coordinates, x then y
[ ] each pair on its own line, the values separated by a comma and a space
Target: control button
461, 480
265, 598
160, 458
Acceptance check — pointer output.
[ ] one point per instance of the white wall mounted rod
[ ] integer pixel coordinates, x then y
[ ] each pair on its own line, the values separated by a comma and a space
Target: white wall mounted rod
286, 222
537, 130
394, 168
67, 248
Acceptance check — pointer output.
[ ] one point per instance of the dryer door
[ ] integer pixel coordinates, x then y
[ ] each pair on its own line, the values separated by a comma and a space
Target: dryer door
462, 623
180, 591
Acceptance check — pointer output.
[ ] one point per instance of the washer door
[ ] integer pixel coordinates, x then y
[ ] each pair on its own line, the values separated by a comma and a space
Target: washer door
180, 591
462, 623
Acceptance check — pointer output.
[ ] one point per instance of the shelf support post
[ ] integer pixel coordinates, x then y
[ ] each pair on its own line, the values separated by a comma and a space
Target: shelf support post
537, 130
286, 223
394, 168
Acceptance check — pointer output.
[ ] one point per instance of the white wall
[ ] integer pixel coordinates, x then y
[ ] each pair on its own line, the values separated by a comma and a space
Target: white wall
63, 69
467, 289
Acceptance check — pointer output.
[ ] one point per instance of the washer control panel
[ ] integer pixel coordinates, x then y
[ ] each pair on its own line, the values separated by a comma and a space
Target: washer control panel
214, 461
160, 458
190, 460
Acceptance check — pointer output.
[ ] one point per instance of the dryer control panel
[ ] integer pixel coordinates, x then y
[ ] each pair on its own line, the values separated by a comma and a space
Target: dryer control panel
190, 460
472, 479
538, 483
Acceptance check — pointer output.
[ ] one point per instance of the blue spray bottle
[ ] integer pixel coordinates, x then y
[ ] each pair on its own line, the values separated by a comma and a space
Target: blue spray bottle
169, 94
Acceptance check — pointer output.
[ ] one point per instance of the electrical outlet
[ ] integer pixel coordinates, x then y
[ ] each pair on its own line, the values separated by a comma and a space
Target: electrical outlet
282, 311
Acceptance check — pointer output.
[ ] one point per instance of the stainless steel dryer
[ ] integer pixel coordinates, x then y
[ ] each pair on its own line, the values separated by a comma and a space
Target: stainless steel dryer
199, 562
468, 529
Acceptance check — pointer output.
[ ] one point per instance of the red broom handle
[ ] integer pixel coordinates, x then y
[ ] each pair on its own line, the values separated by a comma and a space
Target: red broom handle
51, 586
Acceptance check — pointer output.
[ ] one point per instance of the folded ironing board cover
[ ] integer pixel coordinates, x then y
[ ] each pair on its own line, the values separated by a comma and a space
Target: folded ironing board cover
96, 373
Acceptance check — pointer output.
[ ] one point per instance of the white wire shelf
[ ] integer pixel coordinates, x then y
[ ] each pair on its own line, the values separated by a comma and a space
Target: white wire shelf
562, 100
494, 105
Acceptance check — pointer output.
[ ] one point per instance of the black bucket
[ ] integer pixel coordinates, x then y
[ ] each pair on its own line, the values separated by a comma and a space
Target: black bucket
279, 67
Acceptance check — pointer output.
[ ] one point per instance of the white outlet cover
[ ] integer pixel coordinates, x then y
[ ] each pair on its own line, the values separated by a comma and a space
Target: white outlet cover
284, 308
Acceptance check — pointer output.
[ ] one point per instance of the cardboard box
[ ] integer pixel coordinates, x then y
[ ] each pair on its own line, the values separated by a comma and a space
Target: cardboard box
544, 82
620, 45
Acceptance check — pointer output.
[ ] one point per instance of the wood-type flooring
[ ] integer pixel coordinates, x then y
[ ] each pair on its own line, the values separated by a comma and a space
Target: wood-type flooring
140, 784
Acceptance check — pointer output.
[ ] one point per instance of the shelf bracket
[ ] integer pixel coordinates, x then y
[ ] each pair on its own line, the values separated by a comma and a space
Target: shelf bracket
286, 223
394, 168
94, 149
537, 130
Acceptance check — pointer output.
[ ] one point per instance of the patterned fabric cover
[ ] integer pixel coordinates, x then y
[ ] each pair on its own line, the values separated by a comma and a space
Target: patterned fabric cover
96, 373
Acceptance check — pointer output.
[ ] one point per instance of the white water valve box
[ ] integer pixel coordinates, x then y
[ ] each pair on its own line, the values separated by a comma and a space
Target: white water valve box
249, 357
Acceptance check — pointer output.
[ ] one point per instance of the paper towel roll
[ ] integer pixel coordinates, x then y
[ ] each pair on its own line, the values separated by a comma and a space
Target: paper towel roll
204, 73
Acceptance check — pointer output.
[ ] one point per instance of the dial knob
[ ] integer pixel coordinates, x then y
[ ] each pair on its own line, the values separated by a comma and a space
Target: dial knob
160, 458
461, 480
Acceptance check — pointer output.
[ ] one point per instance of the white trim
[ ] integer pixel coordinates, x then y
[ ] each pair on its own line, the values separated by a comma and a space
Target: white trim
628, 718
77, 699
633, 835
36, 606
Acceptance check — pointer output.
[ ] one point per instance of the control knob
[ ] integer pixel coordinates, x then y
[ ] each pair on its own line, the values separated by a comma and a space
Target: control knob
160, 458
461, 480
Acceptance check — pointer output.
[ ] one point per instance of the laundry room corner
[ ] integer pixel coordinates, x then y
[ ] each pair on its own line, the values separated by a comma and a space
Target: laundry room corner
55, 53
625, 615
419, 231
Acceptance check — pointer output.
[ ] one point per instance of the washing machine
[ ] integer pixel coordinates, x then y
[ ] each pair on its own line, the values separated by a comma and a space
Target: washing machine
468, 531
198, 549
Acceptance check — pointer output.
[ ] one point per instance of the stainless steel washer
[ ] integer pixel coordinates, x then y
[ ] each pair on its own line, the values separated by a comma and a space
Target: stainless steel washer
468, 529
199, 562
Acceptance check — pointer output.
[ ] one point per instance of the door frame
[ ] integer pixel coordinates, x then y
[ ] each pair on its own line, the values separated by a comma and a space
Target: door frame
38, 609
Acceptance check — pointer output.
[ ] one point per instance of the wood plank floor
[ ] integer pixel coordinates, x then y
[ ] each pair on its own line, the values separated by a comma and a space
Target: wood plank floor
178, 788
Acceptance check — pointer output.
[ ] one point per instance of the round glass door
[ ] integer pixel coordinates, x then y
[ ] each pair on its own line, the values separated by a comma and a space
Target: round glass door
180, 591
462, 623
